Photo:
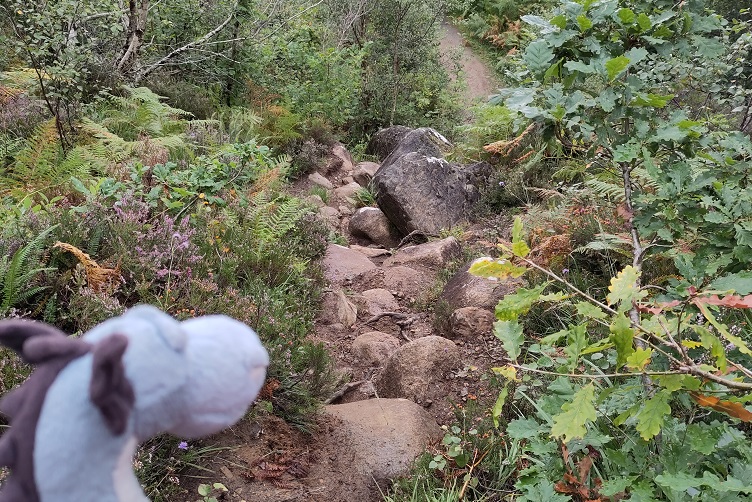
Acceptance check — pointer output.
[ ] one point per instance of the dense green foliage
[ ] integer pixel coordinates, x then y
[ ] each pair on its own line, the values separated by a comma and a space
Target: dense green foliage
628, 366
623, 135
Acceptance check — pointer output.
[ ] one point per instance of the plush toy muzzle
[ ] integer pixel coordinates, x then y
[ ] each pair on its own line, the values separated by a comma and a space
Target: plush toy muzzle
78, 419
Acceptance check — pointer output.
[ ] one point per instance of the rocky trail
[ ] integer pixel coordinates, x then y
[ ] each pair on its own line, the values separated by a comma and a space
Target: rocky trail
408, 327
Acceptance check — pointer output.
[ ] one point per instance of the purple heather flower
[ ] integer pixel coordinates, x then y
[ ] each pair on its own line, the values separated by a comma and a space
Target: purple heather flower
183, 445
565, 271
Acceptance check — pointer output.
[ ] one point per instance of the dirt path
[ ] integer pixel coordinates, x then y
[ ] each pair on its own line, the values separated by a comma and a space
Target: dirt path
479, 78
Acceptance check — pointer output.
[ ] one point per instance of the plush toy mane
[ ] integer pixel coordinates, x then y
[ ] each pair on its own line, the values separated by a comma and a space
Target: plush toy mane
77, 420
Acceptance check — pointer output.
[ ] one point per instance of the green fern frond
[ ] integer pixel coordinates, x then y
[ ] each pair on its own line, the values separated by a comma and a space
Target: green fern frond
618, 244
606, 189
142, 114
18, 273
273, 218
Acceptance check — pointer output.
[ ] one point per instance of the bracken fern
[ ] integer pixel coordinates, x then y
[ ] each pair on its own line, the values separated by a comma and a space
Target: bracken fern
17, 274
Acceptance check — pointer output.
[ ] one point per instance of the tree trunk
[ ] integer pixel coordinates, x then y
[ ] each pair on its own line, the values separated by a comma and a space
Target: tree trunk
134, 36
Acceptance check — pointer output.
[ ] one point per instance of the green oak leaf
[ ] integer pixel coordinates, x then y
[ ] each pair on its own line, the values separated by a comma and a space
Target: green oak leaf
590, 311
639, 359
575, 414
510, 334
501, 269
538, 56
651, 415
615, 66
622, 336
626, 16
518, 303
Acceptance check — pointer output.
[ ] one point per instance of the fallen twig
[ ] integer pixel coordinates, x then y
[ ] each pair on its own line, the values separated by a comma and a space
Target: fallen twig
344, 390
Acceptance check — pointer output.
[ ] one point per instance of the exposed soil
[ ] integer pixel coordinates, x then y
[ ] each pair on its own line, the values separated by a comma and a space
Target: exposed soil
478, 77
266, 459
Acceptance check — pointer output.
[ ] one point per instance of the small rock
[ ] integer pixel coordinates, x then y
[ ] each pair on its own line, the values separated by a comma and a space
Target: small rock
470, 322
339, 151
347, 191
466, 290
318, 179
379, 300
315, 200
347, 180
415, 369
374, 347
364, 171
432, 255
370, 252
372, 224
345, 210
342, 264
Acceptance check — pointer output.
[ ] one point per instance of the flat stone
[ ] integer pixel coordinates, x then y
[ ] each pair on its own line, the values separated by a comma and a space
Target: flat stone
318, 179
342, 264
408, 281
370, 252
379, 300
431, 255
347, 191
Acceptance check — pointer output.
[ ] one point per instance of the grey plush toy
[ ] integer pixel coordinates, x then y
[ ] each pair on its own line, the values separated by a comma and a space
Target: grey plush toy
77, 421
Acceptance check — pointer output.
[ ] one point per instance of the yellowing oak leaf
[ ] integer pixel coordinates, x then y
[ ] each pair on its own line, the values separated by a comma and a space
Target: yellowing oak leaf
623, 289
571, 422
639, 359
501, 269
507, 372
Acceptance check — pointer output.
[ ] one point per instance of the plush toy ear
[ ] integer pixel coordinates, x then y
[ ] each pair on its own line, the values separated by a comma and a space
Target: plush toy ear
15, 332
110, 390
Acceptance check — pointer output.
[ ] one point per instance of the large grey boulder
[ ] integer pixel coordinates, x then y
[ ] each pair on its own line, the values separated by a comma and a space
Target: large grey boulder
385, 140
424, 141
425, 193
415, 369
